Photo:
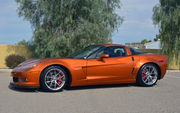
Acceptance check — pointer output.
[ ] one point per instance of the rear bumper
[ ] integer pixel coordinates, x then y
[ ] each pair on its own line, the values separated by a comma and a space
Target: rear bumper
163, 70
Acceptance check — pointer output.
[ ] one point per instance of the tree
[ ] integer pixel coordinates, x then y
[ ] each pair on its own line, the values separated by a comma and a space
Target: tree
63, 26
145, 41
167, 17
23, 42
157, 38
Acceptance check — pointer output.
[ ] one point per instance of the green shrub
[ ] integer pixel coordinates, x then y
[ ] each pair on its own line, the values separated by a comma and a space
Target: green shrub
13, 60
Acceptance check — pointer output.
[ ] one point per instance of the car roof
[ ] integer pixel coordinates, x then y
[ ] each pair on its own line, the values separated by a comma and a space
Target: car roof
108, 45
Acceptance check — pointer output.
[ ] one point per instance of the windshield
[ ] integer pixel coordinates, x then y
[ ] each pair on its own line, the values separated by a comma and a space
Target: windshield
83, 53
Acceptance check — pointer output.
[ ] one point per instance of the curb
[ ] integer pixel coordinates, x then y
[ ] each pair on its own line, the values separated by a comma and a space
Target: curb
173, 70
5, 70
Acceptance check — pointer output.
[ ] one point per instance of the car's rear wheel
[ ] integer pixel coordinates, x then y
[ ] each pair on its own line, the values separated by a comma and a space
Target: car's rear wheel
53, 78
148, 75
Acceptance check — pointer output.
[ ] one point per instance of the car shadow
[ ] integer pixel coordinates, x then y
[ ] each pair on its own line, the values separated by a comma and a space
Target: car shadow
19, 89
36, 90
99, 86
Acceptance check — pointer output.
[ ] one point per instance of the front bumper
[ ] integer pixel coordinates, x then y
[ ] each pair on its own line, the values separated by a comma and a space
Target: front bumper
25, 78
20, 86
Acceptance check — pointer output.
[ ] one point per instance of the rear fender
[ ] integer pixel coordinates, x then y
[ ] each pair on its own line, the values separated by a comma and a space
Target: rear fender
159, 60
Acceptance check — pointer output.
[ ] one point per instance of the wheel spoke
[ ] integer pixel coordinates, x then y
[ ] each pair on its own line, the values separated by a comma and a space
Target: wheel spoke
51, 83
60, 77
49, 77
149, 69
48, 81
154, 77
55, 79
55, 84
152, 70
150, 75
51, 74
60, 72
155, 72
58, 84
146, 69
146, 79
150, 79
55, 72
60, 80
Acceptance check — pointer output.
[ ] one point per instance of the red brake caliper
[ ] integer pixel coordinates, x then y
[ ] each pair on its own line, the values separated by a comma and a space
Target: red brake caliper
59, 81
144, 75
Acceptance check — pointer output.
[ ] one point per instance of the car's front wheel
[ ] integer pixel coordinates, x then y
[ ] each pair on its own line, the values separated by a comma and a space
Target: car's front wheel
53, 78
148, 75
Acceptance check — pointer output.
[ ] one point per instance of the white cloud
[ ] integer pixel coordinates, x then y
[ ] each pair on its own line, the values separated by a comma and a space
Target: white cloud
137, 21
144, 23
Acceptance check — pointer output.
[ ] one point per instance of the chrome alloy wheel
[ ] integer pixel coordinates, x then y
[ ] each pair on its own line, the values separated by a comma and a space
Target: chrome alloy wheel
55, 79
149, 75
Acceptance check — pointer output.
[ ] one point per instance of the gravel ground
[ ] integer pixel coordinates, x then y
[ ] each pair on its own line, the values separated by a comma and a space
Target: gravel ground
128, 98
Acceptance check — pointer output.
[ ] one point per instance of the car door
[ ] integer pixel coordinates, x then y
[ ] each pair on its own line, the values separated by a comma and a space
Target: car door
117, 67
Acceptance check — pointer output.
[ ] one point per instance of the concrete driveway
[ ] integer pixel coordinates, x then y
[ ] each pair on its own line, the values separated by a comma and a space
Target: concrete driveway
128, 98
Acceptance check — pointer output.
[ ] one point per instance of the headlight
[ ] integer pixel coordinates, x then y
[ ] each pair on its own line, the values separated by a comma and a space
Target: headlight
29, 64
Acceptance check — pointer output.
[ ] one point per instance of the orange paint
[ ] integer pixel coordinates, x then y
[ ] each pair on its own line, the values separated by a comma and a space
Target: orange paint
93, 71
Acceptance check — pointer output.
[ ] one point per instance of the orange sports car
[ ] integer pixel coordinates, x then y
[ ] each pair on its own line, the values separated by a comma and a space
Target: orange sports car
93, 65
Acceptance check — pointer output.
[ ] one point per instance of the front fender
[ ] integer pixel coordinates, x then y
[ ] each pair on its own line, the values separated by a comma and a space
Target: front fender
76, 67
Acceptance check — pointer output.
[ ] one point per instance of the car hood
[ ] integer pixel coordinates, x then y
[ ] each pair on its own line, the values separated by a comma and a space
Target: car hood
31, 61
42, 60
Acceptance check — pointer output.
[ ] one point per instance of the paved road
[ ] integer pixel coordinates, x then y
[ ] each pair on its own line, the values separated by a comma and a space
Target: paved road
162, 98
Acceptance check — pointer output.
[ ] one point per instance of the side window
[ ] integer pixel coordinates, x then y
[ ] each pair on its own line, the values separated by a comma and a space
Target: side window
114, 51
132, 51
99, 53
135, 51
120, 52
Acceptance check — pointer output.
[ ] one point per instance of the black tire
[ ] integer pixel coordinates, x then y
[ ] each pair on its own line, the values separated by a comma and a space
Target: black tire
48, 74
142, 77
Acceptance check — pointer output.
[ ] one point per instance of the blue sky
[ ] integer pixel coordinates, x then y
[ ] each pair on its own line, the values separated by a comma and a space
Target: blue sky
137, 23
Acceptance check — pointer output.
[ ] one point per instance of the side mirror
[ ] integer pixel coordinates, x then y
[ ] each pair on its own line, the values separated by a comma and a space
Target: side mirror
103, 56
